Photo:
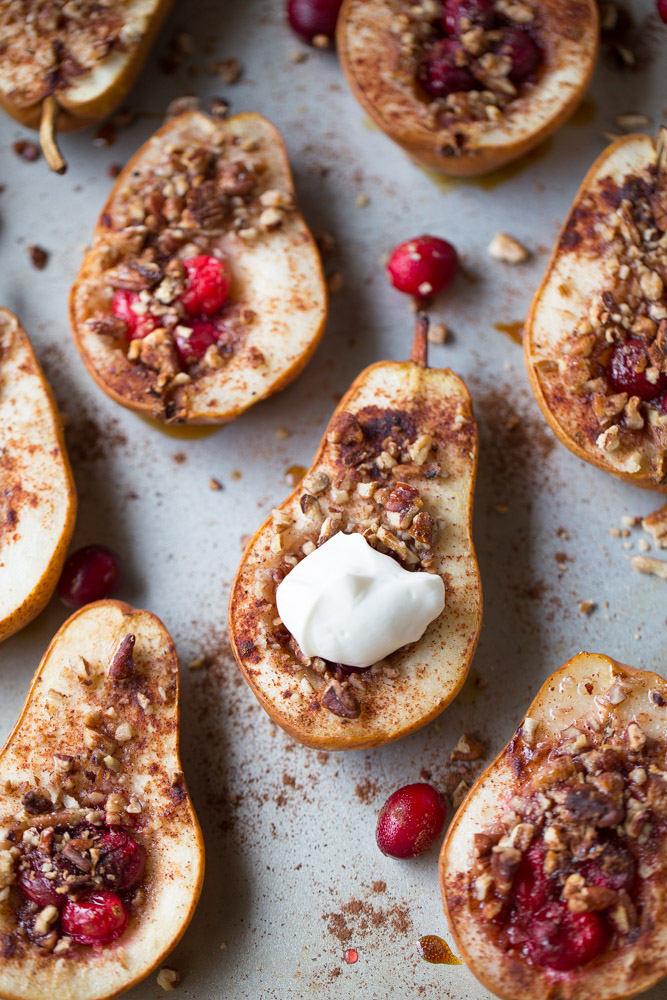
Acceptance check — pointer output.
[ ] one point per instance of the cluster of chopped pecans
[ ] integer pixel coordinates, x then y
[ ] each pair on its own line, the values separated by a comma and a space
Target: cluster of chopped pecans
375, 492
414, 27
56, 829
65, 40
590, 784
177, 212
635, 237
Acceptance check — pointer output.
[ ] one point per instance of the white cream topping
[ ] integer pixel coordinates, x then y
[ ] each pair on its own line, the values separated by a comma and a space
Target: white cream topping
350, 604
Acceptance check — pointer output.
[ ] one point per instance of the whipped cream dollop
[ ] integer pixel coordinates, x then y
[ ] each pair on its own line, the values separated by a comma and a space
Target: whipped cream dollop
349, 603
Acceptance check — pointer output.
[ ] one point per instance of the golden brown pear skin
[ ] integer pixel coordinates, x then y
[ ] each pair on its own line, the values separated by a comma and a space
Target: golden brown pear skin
598, 694
369, 56
418, 681
72, 696
37, 497
277, 279
574, 278
89, 98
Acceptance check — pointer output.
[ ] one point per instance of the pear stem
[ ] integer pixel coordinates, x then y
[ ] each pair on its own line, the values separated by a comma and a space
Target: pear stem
419, 353
47, 135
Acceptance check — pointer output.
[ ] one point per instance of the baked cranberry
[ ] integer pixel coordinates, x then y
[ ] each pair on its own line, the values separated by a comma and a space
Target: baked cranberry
207, 282
560, 940
36, 886
311, 19
90, 574
410, 821
518, 46
193, 348
122, 859
97, 918
532, 888
662, 10
613, 868
423, 266
137, 325
626, 371
440, 71
461, 15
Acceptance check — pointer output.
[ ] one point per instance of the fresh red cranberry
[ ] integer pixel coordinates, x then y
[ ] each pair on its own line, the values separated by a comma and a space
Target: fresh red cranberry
440, 72
518, 46
207, 282
97, 918
473, 14
311, 19
137, 326
122, 860
626, 371
532, 887
423, 266
662, 10
90, 574
613, 868
410, 821
560, 940
193, 348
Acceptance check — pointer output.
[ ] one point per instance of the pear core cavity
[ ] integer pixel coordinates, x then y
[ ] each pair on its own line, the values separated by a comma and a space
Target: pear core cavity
348, 603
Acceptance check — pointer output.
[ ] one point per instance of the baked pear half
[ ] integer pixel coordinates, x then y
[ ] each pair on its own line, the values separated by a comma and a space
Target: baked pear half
553, 870
466, 86
101, 856
68, 66
397, 465
596, 336
37, 495
203, 290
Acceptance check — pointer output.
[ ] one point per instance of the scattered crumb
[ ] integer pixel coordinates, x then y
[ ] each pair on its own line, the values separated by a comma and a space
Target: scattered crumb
648, 564
459, 793
283, 433
615, 532
298, 56
218, 107
506, 249
179, 457
632, 121
500, 508
656, 525
437, 333
335, 282
230, 71
113, 170
362, 200
28, 151
468, 748
214, 484
38, 255
197, 663
321, 41
168, 979
643, 545
628, 521
587, 607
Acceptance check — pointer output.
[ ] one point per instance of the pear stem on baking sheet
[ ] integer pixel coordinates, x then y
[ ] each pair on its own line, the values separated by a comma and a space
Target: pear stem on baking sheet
419, 352
47, 135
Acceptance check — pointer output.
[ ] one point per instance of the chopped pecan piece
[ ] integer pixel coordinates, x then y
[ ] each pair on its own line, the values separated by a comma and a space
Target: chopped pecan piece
591, 898
468, 748
340, 701
73, 851
421, 529
205, 207
402, 505
504, 864
134, 275
657, 351
345, 429
607, 408
121, 667
586, 804
157, 351
237, 179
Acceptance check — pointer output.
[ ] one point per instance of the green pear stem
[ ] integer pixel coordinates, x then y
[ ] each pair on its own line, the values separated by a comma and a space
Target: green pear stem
419, 353
47, 135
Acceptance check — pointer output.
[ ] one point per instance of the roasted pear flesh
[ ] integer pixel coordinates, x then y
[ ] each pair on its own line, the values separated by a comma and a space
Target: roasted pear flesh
596, 335
396, 464
467, 98
37, 496
64, 69
552, 872
101, 857
203, 290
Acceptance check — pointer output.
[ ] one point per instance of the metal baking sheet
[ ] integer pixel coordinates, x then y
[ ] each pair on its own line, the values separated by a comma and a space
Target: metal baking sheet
293, 873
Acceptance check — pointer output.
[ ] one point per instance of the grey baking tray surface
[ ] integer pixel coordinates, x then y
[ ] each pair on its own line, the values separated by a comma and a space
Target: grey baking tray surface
293, 873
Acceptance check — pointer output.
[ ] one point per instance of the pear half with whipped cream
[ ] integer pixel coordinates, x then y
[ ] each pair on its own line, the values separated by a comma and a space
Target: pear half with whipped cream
356, 609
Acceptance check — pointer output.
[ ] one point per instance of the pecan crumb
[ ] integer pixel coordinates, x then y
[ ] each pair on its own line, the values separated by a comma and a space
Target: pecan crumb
121, 666
28, 151
506, 249
38, 256
168, 978
468, 748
